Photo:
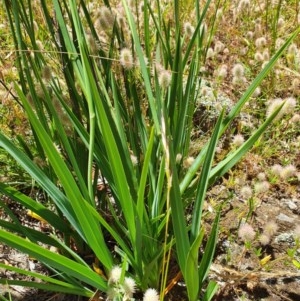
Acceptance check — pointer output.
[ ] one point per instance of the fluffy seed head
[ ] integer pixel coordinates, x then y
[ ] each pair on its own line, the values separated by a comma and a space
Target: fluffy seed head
266, 55
210, 53
151, 295
261, 187
138, 63
107, 16
295, 118
126, 58
278, 43
261, 176
244, 5
246, 192
256, 92
112, 293
164, 79
93, 45
121, 21
260, 42
258, 56
188, 29
238, 140
134, 159
115, 274
238, 70
238, 80
288, 172
244, 50
219, 47
280, 22
219, 13
246, 232
222, 72
264, 64
39, 44
178, 157
249, 35
203, 28
273, 106
292, 50
289, 106
270, 228
276, 169
264, 239
188, 162
257, 28
129, 286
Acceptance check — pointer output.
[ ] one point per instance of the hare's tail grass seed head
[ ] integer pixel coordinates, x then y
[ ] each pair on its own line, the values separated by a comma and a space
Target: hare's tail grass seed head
246, 232
151, 295
126, 58
246, 192
188, 29
238, 70
129, 286
264, 239
237, 140
270, 228
115, 275
164, 79
261, 187
288, 172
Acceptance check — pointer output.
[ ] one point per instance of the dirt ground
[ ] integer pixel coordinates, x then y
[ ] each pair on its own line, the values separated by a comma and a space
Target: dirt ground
240, 272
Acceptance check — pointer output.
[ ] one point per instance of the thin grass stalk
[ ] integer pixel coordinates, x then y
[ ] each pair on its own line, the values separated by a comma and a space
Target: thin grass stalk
168, 171
147, 38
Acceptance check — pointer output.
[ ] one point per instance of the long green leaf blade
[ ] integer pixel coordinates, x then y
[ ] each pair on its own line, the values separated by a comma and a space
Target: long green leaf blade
54, 260
204, 180
85, 222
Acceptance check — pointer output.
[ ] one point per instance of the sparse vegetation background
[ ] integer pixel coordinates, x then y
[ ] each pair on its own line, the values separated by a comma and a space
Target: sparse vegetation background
147, 148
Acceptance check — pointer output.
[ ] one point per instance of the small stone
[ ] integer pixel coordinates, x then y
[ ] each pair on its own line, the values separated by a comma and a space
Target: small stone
291, 205
284, 237
284, 218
